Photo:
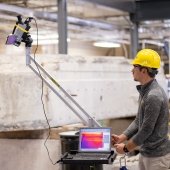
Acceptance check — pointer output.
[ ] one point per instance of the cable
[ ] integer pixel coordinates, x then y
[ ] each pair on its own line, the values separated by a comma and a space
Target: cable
42, 92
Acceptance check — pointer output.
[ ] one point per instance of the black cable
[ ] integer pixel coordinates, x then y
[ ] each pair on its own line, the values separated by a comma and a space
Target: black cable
42, 92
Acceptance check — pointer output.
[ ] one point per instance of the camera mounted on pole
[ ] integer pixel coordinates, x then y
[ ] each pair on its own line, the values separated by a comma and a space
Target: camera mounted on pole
20, 33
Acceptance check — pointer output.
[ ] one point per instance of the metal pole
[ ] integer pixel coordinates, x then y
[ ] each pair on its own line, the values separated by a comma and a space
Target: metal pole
48, 84
62, 26
28, 57
134, 39
65, 93
90, 121
169, 56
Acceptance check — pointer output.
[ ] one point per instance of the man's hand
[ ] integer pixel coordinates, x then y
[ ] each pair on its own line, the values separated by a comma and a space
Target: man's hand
119, 148
116, 139
130, 145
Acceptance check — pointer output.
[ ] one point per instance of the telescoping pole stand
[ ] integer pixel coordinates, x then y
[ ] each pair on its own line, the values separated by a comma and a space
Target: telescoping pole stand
21, 34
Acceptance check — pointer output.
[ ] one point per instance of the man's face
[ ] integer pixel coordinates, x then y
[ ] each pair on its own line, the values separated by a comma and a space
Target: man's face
137, 73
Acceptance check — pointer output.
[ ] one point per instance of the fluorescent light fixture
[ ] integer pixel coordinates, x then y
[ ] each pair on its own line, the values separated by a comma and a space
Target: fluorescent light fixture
106, 44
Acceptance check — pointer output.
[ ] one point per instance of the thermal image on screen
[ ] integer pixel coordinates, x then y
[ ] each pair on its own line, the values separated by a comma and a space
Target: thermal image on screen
92, 140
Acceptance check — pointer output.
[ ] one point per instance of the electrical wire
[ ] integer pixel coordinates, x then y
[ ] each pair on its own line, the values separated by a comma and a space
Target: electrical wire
42, 92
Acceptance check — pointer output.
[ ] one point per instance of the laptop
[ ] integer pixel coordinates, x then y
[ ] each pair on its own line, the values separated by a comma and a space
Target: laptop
95, 140
94, 147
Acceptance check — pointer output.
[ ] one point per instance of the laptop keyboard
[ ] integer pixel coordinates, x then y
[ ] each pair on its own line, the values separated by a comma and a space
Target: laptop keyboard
90, 156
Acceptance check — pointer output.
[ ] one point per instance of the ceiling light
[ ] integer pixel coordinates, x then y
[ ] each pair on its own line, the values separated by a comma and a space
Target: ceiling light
106, 44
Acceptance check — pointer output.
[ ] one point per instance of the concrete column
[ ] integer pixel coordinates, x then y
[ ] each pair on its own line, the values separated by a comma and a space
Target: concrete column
62, 26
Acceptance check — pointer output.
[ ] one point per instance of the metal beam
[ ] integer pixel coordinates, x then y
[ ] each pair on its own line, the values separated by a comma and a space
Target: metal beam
149, 10
54, 17
62, 26
141, 9
134, 40
124, 5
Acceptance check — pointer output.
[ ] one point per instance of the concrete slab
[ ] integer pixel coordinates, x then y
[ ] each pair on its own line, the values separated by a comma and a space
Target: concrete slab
103, 86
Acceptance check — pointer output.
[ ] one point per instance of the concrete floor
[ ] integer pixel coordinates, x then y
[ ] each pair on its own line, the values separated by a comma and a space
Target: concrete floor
28, 154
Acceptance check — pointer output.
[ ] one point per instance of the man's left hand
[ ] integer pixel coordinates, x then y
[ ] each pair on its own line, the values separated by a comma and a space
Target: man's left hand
119, 148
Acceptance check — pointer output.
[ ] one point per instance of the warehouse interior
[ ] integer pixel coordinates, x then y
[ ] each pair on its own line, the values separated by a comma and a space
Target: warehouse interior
85, 48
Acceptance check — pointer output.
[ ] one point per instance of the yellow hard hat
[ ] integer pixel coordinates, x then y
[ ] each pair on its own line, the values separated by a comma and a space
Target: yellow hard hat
147, 58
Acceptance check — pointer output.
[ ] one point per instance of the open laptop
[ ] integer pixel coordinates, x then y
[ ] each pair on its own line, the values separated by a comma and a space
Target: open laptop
95, 140
94, 147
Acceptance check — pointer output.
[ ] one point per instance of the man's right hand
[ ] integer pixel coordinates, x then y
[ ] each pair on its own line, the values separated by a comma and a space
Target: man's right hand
116, 139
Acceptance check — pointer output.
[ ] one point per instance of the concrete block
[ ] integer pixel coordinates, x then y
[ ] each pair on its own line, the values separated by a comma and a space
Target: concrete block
103, 86
29, 154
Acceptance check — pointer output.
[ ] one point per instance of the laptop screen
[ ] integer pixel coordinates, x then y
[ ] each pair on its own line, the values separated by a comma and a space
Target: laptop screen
95, 139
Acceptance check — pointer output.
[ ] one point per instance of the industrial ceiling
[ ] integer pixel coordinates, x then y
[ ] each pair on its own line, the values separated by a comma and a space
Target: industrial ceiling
92, 20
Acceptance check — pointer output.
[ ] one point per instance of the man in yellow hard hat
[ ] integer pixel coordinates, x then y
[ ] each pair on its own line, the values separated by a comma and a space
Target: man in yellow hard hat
149, 130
